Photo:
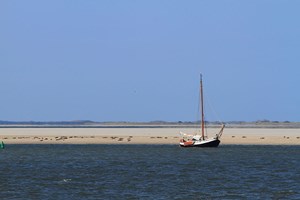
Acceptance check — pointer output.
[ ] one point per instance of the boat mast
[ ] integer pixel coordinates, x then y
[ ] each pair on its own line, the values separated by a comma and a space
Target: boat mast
202, 107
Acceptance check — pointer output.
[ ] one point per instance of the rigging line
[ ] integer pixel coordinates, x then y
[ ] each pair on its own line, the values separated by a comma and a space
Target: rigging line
205, 124
197, 130
213, 110
204, 117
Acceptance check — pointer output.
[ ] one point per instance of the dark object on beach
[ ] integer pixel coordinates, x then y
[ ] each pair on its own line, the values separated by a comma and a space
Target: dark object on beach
262, 138
244, 137
61, 138
233, 136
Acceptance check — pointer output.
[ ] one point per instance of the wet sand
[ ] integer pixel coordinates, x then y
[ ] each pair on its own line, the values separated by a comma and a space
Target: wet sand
256, 136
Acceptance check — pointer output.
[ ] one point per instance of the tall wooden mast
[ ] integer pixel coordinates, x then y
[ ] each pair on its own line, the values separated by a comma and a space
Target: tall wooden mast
202, 107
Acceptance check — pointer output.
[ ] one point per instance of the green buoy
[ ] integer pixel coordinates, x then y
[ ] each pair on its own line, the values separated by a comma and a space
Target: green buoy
2, 145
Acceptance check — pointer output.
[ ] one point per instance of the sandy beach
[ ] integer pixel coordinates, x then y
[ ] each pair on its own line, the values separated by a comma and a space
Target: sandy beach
258, 136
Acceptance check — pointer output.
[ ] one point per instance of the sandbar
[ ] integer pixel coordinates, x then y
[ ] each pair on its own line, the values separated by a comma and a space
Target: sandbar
235, 136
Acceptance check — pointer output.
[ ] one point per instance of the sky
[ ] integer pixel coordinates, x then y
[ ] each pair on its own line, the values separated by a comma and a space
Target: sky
114, 60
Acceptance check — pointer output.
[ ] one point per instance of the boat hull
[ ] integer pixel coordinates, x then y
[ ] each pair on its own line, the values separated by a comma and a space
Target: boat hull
204, 143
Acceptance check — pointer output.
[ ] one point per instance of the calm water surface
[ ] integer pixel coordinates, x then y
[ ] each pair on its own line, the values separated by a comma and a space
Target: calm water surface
149, 172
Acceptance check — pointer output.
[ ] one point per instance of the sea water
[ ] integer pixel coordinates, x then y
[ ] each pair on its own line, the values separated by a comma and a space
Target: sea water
149, 172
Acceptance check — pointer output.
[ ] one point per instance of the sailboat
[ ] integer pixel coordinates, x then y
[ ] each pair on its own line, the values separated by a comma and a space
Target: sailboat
201, 140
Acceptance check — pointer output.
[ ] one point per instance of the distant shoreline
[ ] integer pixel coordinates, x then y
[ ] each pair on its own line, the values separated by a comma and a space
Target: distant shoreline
148, 125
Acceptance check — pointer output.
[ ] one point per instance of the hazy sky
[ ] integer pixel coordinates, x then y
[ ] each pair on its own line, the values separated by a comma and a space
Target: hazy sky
140, 60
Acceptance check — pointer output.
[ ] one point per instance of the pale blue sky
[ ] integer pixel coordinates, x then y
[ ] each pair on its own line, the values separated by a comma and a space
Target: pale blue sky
140, 60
